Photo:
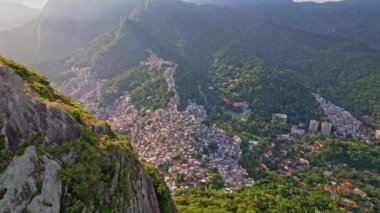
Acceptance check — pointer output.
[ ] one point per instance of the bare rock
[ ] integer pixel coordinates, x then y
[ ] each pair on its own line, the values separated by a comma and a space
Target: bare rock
20, 181
142, 195
24, 113
50, 198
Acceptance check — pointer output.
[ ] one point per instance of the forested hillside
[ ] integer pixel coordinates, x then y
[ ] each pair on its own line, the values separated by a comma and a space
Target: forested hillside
354, 19
191, 35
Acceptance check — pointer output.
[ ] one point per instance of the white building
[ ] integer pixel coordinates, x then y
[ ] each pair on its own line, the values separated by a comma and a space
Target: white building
313, 127
326, 128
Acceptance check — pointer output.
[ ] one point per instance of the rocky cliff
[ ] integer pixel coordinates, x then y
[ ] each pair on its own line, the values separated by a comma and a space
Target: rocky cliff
56, 157
23, 113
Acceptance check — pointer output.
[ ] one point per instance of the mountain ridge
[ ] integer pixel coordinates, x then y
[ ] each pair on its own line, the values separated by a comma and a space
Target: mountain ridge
305, 54
54, 152
13, 15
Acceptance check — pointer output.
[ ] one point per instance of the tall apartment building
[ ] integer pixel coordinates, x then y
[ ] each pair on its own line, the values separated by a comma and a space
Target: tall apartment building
313, 127
326, 128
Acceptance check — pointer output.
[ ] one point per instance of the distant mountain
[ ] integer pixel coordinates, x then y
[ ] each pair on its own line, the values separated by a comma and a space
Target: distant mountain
65, 26
191, 36
14, 15
234, 3
354, 19
116, 36
55, 156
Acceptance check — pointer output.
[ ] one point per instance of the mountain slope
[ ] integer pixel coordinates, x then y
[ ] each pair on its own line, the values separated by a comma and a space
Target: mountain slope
14, 15
190, 35
64, 26
268, 89
354, 19
57, 157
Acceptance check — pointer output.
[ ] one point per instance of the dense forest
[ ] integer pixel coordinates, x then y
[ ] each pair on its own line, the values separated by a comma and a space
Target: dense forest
270, 194
309, 62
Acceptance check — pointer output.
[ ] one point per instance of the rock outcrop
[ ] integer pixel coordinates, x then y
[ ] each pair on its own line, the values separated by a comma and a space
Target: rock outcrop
43, 138
140, 194
23, 113
31, 182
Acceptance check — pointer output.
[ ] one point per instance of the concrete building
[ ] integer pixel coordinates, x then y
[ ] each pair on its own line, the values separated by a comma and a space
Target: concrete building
377, 134
313, 127
326, 128
281, 118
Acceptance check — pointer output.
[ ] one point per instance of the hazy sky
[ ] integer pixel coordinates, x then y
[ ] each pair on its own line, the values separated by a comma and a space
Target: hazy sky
41, 3
318, 1
31, 3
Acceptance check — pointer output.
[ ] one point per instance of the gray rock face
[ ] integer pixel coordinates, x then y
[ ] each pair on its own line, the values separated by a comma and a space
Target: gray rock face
24, 113
142, 194
31, 182
20, 183
50, 198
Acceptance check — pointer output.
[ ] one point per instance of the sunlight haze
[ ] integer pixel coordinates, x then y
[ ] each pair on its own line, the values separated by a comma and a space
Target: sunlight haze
30, 3
317, 1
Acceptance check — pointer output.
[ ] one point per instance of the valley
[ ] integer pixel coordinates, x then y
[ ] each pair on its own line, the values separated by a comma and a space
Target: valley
192, 106
185, 150
190, 154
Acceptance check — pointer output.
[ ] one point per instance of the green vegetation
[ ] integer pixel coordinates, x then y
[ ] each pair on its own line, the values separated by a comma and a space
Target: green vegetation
147, 88
292, 63
37, 82
273, 194
337, 161
101, 159
29, 140
216, 182
272, 66
88, 181
5, 158
236, 124
41, 86
96, 166
2, 143
166, 203
266, 88
356, 155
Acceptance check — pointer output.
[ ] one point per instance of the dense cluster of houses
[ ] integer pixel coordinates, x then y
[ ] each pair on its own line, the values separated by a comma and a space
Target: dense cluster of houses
188, 148
85, 88
184, 149
346, 124
177, 142
280, 158
285, 164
